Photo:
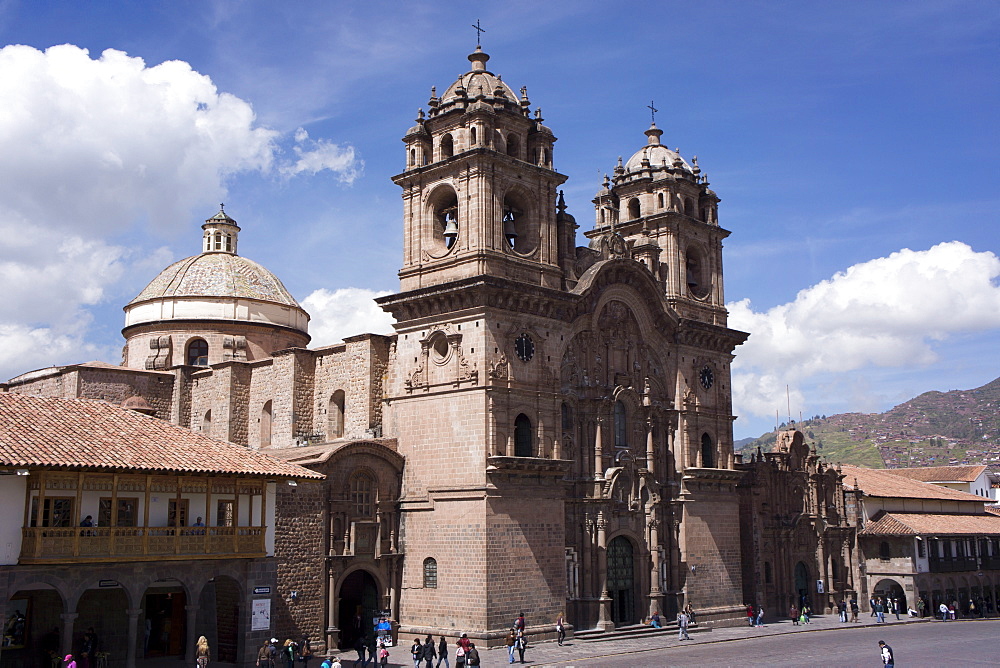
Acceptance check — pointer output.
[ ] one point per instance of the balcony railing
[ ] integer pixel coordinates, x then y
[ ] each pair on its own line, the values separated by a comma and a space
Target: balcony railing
73, 544
953, 565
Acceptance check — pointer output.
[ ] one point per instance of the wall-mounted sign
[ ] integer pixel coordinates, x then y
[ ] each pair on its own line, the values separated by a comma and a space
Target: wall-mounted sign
260, 614
819, 586
108, 583
261, 590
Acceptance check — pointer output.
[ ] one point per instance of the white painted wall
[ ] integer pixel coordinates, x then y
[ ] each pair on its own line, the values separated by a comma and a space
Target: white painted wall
12, 489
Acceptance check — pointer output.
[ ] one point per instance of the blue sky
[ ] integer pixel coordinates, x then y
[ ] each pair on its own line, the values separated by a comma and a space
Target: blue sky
853, 144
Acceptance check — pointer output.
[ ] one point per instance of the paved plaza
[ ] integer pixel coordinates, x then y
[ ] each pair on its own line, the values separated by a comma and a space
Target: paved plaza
824, 642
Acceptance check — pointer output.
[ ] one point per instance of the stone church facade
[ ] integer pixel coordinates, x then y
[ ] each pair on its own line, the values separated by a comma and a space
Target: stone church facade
548, 430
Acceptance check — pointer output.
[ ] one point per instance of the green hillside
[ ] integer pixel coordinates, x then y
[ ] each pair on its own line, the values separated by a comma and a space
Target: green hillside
933, 429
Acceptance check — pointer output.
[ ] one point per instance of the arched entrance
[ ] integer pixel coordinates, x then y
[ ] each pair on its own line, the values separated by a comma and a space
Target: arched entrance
621, 581
33, 626
106, 623
359, 605
164, 627
888, 590
219, 616
802, 582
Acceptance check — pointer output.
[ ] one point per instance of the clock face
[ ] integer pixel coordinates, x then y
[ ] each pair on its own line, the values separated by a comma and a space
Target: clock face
707, 377
524, 347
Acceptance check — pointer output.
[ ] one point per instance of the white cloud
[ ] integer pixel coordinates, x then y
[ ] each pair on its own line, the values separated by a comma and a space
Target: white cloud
317, 155
345, 312
89, 148
887, 312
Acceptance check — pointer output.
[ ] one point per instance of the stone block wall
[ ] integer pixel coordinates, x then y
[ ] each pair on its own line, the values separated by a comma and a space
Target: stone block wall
300, 540
710, 543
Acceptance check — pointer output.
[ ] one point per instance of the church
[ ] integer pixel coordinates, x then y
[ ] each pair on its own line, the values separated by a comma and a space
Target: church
547, 431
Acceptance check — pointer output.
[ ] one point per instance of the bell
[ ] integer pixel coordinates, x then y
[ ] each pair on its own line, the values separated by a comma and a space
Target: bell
509, 231
451, 228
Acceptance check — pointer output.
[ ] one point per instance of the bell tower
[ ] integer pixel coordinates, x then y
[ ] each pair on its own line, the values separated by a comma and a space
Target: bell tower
479, 190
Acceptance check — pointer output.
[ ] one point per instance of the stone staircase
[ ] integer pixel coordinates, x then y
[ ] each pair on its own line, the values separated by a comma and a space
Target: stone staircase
634, 631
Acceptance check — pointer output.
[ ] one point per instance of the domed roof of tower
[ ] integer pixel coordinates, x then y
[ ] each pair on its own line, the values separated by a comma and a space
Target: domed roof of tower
217, 275
655, 155
478, 83
217, 284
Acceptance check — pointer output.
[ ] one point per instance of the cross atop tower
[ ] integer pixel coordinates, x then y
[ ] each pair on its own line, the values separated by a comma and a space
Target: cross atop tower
652, 112
479, 33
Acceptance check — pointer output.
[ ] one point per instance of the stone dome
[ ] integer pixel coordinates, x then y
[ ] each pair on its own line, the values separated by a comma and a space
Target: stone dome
217, 284
217, 275
656, 153
478, 82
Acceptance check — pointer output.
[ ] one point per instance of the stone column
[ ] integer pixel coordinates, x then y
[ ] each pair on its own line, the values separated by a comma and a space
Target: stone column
68, 618
655, 593
650, 457
599, 451
604, 621
133, 636
192, 633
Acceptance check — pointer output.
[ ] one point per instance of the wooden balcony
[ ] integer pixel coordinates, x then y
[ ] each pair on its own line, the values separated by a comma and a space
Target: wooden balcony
47, 545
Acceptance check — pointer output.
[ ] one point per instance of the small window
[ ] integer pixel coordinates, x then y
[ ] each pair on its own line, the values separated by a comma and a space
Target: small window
363, 495
225, 513
56, 512
474, 136
177, 512
430, 573
707, 452
883, 551
206, 423
621, 425
523, 446
335, 416
126, 516
447, 146
633, 209
218, 241
198, 352
513, 148
265, 425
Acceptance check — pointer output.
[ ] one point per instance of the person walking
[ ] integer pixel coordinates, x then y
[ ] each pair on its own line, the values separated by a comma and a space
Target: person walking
264, 655
561, 630
417, 652
305, 650
943, 609
288, 653
793, 612
511, 642
886, 653
521, 644
855, 609
201, 652
442, 653
682, 626
472, 655
760, 617
750, 614
429, 652
879, 612
842, 606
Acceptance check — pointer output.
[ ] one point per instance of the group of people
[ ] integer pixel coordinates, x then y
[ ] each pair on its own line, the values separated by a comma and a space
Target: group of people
466, 653
270, 655
374, 648
800, 615
755, 615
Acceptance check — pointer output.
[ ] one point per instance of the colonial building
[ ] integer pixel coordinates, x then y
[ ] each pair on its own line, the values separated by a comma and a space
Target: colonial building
976, 479
798, 536
141, 531
548, 430
919, 540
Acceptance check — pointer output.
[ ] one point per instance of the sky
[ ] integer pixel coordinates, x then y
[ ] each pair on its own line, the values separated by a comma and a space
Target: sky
854, 146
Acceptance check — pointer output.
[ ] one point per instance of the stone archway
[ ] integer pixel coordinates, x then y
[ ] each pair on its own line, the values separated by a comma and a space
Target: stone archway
888, 589
163, 629
102, 611
33, 627
359, 605
802, 582
219, 617
622, 581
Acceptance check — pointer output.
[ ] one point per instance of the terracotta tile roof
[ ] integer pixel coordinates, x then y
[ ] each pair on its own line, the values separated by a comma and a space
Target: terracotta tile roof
95, 435
941, 473
883, 483
920, 524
